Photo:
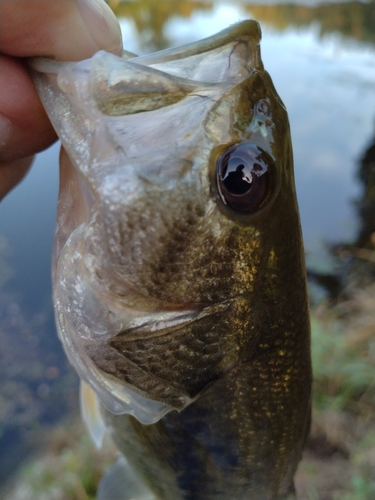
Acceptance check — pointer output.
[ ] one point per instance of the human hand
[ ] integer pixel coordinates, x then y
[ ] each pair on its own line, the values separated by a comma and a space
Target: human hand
66, 30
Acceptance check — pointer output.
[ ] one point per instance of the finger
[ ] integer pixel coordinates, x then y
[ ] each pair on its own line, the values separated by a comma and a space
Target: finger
12, 172
62, 29
24, 126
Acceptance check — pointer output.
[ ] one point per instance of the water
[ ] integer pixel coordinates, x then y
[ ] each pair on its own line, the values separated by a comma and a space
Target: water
322, 61
27, 218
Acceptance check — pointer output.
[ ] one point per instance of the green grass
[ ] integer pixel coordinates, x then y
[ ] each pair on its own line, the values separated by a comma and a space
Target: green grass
343, 371
70, 469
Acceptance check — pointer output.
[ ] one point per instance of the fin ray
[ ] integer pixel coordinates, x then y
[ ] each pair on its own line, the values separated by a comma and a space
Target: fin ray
120, 482
90, 412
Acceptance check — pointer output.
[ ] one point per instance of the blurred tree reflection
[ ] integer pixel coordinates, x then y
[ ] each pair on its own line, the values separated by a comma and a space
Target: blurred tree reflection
366, 205
351, 19
356, 259
150, 18
355, 20
362, 251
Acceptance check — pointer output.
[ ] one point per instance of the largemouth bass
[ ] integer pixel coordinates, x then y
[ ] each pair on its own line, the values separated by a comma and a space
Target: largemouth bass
178, 269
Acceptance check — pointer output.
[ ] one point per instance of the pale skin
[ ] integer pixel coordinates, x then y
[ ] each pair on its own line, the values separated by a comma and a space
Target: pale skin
66, 30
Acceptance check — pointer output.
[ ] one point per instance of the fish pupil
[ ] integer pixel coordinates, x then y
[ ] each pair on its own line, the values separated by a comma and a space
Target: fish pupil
243, 177
238, 181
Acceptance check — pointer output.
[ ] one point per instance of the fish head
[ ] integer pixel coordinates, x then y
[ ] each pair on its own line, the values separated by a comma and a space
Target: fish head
177, 223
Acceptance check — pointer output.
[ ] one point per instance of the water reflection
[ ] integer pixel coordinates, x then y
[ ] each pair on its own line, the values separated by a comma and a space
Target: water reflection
150, 19
356, 258
352, 263
366, 204
353, 20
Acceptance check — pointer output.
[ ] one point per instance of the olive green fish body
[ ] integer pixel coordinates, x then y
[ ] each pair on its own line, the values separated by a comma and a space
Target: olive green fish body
243, 437
179, 280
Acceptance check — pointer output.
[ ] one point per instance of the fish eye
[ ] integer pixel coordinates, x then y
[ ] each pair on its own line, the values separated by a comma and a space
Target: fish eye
243, 175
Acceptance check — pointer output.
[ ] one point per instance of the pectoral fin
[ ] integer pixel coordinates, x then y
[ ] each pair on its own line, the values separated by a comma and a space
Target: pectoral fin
172, 364
120, 482
90, 412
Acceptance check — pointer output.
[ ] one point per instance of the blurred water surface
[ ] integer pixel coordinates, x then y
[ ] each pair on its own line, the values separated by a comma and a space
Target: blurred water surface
321, 58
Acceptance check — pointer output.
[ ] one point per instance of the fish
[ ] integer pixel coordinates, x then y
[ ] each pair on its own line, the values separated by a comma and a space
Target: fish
178, 267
